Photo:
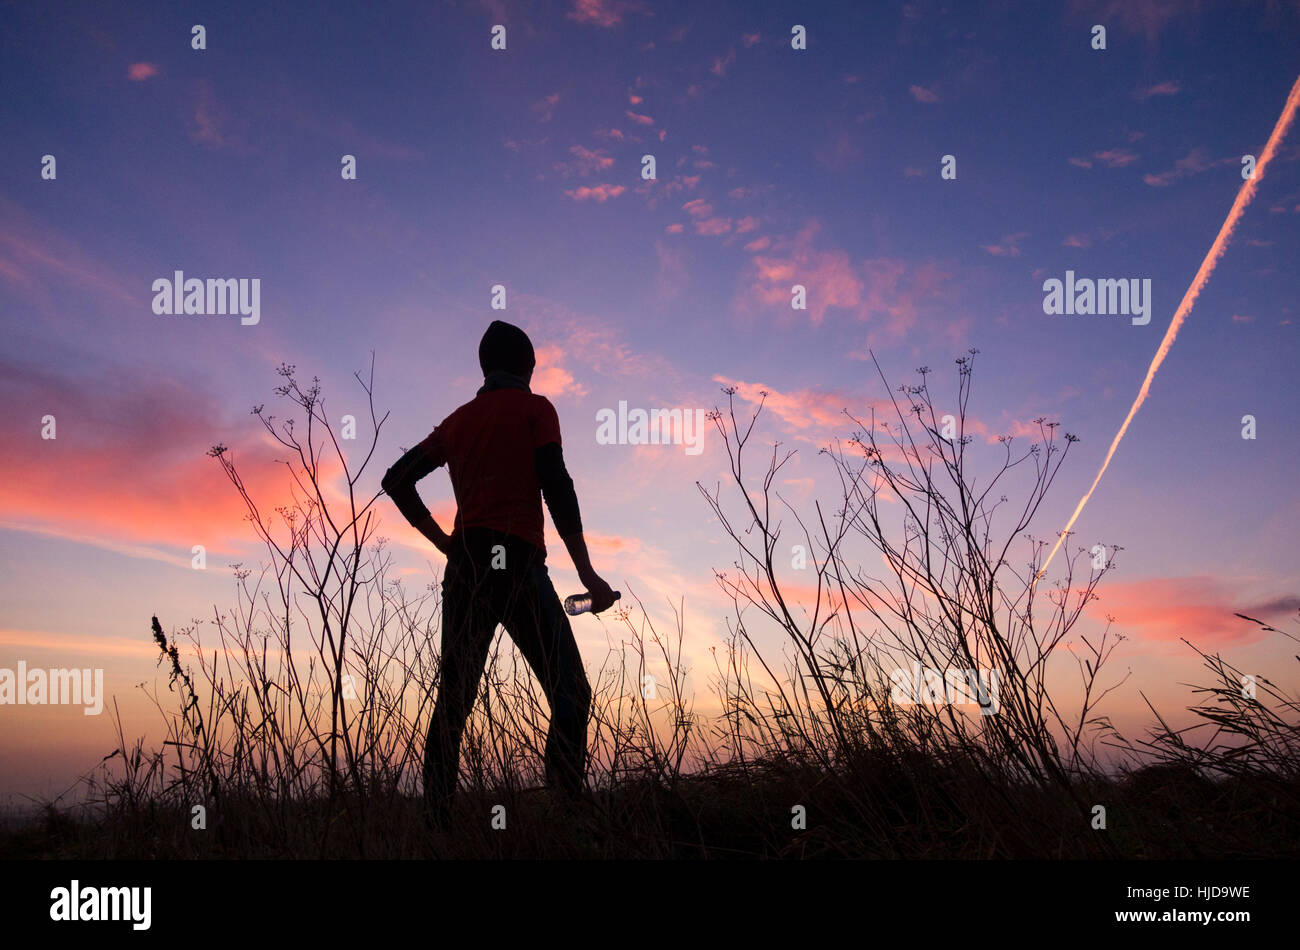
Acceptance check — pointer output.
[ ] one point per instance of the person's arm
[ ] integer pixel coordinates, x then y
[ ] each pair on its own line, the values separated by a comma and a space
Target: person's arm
562, 500
399, 483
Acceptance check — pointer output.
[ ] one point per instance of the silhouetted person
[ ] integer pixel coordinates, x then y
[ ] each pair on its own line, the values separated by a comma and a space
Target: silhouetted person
502, 450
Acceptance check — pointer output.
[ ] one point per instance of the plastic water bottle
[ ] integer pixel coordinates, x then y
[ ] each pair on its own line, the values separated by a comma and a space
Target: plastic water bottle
576, 604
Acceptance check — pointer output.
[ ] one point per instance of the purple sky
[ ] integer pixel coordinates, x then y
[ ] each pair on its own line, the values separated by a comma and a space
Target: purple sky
522, 167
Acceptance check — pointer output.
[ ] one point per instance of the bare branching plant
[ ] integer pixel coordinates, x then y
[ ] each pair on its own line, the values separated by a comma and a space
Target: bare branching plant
914, 630
929, 692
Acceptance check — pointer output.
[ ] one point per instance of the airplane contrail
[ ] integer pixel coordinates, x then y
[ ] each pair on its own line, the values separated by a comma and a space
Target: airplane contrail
1244, 198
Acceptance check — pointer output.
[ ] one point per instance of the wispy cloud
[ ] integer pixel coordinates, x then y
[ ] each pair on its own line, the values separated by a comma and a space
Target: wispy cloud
139, 72
34, 257
544, 108
1197, 160
887, 293
721, 63
129, 464
801, 410
1147, 17
585, 162
214, 125
604, 13
597, 193
1110, 157
1009, 246
1115, 157
1200, 609
1169, 87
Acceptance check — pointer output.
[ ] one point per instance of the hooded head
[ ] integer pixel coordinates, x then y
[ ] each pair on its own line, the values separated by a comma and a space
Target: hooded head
506, 348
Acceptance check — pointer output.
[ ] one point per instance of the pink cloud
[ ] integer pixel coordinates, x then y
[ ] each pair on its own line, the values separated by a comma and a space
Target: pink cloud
1195, 161
34, 257
603, 13
597, 193
922, 94
749, 39
1199, 609
721, 63
1015, 428
588, 341
887, 292
1077, 240
841, 152
1115, 157
544, 108
213, 124
712, 227
586, 162
139, 72
1169, 87
746, 224
819, 414
1148, 17
829, 276
611, 544
129, 463
1009, 246
550, 378
640, 119
801, 410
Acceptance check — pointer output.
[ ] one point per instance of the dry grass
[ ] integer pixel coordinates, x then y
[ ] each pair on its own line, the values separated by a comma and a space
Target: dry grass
296, 718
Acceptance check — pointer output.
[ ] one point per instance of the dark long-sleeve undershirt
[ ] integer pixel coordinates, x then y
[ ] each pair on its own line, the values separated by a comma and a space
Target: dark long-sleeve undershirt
557, 489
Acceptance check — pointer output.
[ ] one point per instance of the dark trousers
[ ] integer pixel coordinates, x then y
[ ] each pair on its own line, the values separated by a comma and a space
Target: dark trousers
476, 597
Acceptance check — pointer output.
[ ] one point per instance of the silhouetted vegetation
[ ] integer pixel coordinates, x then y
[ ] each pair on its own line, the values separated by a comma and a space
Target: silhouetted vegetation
296, 717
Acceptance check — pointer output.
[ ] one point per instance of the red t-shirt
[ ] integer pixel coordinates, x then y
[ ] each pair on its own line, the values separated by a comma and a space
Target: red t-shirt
487, 445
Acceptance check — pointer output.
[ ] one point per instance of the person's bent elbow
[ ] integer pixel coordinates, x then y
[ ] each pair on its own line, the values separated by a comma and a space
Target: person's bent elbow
392, 483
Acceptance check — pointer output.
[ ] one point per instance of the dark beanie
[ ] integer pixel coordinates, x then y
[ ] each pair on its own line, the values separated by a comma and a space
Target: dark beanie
506, 347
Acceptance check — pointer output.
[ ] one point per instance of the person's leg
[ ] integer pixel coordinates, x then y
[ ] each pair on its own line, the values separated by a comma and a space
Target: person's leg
537, 623
468, 623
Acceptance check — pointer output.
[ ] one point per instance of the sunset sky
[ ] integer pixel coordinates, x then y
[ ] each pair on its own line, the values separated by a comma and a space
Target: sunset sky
522, 167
